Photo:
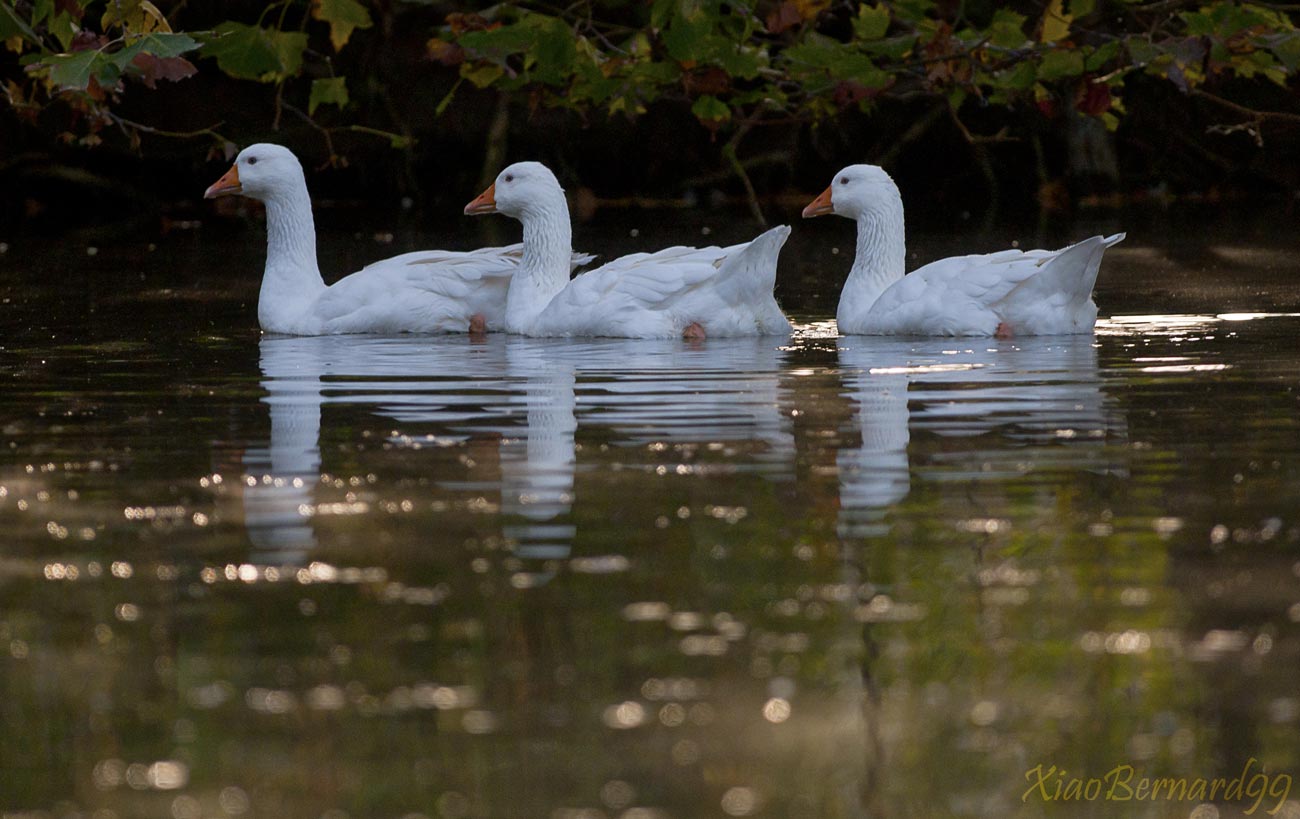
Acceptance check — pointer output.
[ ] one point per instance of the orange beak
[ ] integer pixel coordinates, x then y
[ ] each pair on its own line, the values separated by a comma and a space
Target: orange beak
485, 203
226, 185
819, 206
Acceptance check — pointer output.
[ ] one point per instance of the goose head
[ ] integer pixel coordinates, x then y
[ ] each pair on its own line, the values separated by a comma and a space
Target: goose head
260, 172
855, 191
520, 190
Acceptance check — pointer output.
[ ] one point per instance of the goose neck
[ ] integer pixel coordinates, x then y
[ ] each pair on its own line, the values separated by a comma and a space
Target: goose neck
292, 280
880, 258
544, 270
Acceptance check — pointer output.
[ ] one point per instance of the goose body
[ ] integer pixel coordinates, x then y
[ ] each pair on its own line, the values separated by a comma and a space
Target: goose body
1012, 292
434, 291
712, 291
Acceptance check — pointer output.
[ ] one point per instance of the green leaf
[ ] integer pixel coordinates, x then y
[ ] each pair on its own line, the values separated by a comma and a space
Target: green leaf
871, 23
1101, 56
1020, 78
1060, 63
737, 61
343, 16
11, 25
589, 81
1256, 62
289, 47
686, 37
159, 45
64, 29
498, 43
169, 45
41, 10
254, 53
243, 51
711, 110
1007, 29
661, 11
1198, 24
71, 70
1287, 49
654, 74
332, 91
547, 44
554, 50
1141, 50
841, 61
891, 48
912, 11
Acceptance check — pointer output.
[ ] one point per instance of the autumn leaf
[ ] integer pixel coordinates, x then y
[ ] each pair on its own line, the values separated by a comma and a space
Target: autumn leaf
1056, 22
848, 93
73, 8
711, 81
444, 52
809, 9
482, 76
783, 17
343, 16
135, 16
872, 22
461, 23
1094, 99
149, 68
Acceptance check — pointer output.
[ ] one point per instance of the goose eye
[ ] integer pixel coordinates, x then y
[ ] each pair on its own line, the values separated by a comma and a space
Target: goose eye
252, 160
844, 180
510, 177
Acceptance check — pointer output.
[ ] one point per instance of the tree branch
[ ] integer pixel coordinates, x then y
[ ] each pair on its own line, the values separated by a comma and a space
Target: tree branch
1258, 116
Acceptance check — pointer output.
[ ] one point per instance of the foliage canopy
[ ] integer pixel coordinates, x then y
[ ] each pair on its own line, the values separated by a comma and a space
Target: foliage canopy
732, 63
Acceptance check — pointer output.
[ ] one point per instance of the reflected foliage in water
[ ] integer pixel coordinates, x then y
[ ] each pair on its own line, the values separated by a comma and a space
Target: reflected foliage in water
825, 577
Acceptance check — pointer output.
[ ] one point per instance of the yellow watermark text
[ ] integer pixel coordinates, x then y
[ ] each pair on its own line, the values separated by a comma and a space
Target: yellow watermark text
1123, 783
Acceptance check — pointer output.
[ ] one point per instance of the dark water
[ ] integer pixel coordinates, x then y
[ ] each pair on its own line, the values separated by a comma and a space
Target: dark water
413, 577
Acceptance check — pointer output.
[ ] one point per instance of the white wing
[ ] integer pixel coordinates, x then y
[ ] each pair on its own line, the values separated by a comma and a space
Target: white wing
1030, 291
426, 291
490, 261
656, 295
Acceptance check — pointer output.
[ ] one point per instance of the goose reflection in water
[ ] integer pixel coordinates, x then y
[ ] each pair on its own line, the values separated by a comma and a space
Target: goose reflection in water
528, 393
281, 474
1041, 398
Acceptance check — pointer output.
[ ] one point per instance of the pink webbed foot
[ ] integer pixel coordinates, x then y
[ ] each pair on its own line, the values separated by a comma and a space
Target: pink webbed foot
693, 332
1003, 331
478, 325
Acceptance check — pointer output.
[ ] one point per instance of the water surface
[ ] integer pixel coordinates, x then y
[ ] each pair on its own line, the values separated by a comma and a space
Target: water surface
806, 577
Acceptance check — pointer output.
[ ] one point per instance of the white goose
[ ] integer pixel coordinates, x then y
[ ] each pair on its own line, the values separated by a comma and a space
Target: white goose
428, 291
1011, 293
679, 292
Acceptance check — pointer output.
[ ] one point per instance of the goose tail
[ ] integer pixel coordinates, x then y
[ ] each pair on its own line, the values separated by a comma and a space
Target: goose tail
1058, 299
752, 269
1071, 273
